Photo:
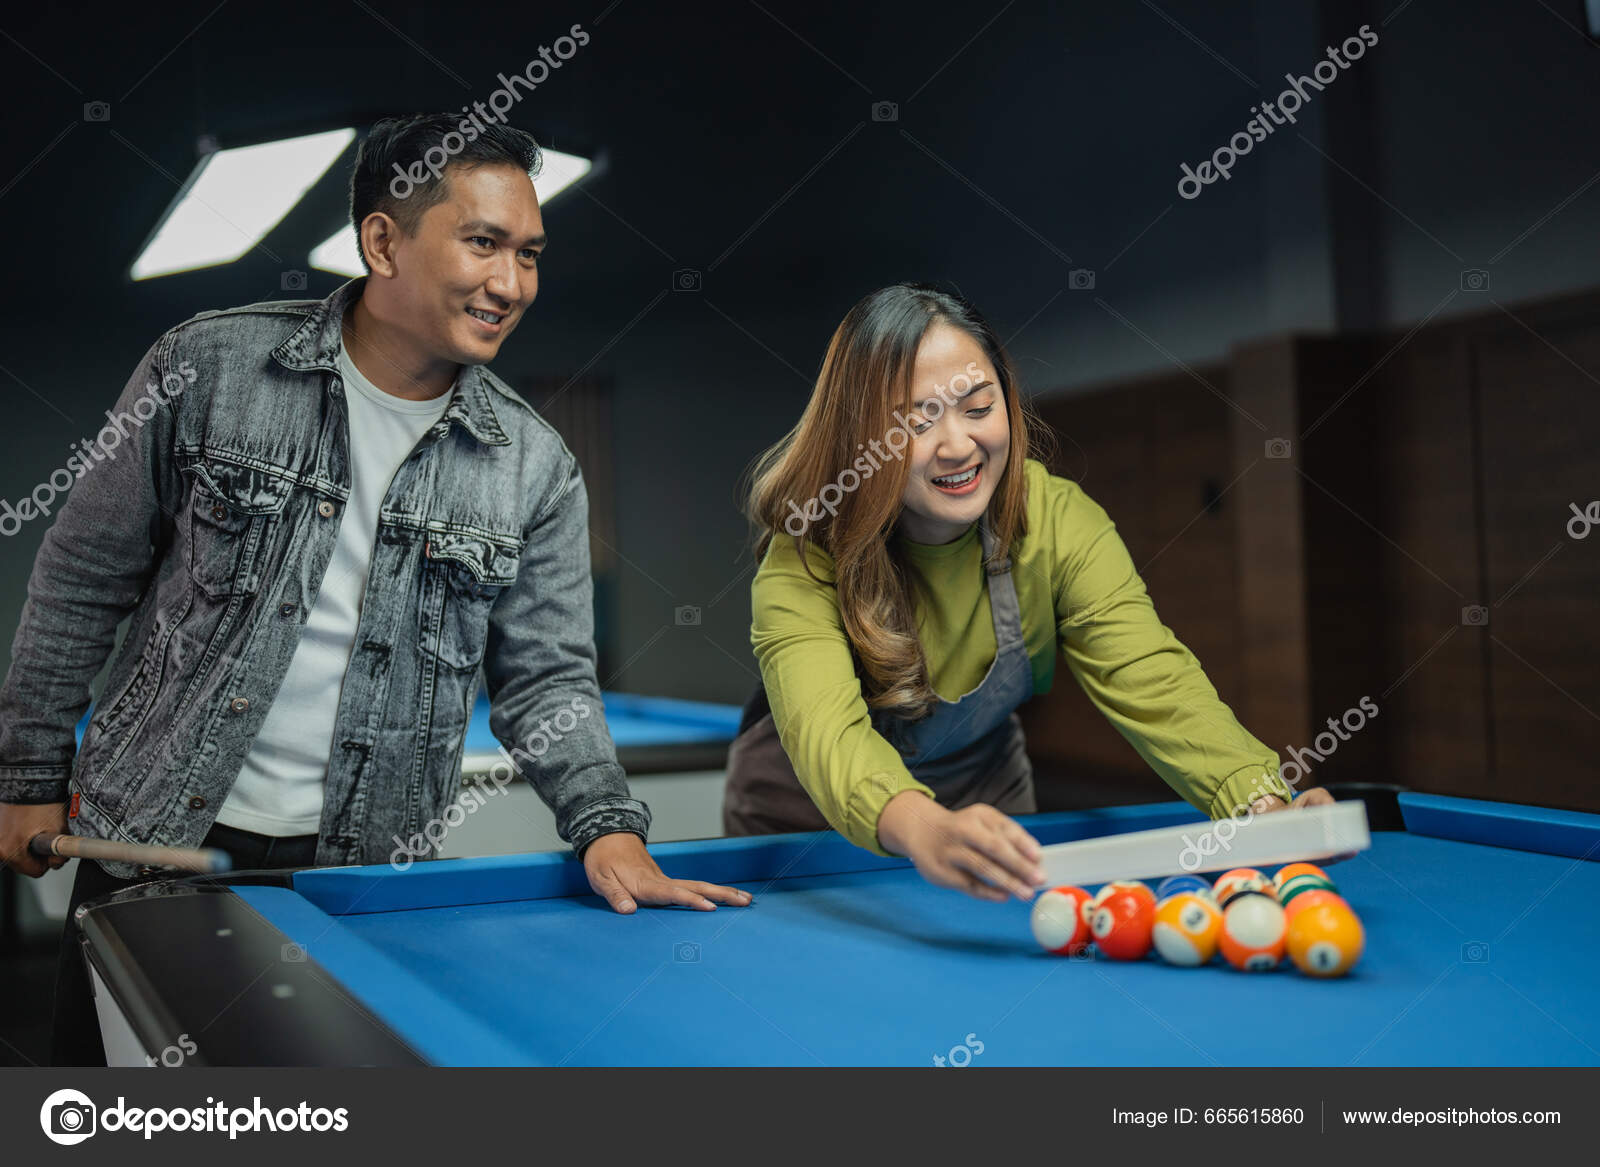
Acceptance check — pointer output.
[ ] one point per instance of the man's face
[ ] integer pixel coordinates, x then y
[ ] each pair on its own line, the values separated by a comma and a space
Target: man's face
475, 254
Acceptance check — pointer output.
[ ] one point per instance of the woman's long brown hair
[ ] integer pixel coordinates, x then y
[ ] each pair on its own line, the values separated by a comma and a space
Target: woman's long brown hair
862, 394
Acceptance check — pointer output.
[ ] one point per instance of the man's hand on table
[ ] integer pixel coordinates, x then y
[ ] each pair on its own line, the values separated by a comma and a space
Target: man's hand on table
622, 871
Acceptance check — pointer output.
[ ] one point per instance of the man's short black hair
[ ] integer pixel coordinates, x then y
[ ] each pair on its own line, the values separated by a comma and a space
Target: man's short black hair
419, 145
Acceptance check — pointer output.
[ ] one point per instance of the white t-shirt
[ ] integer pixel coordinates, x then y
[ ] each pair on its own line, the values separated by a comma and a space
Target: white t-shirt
279, 788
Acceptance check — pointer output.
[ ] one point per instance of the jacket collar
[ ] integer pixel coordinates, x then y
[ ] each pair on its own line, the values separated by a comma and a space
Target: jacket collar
316, 343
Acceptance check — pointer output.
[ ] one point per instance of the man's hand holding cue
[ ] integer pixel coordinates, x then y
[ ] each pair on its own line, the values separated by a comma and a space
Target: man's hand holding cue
34, 839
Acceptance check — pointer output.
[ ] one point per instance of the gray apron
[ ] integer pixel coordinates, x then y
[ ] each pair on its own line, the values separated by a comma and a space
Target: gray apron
966, 751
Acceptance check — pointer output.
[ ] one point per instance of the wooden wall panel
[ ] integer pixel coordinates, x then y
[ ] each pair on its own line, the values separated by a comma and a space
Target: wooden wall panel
1262, 415
1151, 454
1433, 690
1540, 407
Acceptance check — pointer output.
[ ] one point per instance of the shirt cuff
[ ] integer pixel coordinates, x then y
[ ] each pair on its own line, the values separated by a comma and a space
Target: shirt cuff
32, 785
1244, 786
605, 818
866, 805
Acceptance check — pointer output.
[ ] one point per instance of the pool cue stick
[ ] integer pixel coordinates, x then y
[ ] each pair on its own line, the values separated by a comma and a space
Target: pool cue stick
203, 859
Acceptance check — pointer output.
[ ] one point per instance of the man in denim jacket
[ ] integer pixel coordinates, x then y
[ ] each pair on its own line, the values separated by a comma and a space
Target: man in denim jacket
296, 681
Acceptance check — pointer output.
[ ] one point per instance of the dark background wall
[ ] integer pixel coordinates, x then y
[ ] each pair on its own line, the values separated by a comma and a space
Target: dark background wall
1032, 139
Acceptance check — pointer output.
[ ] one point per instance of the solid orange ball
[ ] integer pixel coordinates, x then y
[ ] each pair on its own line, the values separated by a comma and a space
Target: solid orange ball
1325, 939
1311, 899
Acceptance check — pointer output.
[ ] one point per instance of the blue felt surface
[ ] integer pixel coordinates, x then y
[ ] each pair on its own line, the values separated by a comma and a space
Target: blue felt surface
1476, 955
437, 1027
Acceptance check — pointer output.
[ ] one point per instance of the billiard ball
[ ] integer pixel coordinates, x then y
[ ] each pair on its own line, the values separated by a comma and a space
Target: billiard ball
1310, 900
1138, 888
1227, 879
1325, 939
1240, 887
1293, 869
1186, 929
1300, 884
1253, 931
1174, 884
1122, 925
1058, 920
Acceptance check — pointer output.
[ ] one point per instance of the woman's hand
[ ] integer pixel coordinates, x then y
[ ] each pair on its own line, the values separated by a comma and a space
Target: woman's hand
977, 849
1316, 796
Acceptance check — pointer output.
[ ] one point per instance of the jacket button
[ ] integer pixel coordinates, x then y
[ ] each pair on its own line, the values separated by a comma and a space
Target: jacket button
239, 704
325, 509
197, 803
219, 513
286, 609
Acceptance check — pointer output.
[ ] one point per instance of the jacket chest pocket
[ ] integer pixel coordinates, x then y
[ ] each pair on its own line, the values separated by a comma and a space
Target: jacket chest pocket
230, 508
463, 575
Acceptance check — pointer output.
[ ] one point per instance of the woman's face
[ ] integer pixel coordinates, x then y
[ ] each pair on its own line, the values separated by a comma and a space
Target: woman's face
962, 437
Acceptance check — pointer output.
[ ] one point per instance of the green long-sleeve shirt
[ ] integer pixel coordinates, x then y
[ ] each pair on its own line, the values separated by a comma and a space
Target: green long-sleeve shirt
1076, 586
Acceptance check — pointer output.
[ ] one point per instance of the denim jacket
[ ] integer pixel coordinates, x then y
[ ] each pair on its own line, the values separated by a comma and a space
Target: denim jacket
208, 509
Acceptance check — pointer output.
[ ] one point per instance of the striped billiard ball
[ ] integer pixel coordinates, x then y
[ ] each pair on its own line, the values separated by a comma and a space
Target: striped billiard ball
1291, 870
1253, 931
1059, 923
1300, 884
1174, 884
1186, 929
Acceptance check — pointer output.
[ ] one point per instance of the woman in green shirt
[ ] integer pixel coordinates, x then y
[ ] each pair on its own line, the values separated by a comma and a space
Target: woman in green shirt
917, 572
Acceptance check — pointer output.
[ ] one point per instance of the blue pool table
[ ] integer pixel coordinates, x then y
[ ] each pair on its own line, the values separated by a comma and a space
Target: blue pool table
1482, 946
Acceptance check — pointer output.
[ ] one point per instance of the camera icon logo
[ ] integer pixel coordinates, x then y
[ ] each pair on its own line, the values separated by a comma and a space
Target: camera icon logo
292, 953
1475, 952
292, 281
1081, 279
686, 616
96, 111
1279, 448
686, 952
1475, 614
885, 111
686, 279
1474, 279
67, 1117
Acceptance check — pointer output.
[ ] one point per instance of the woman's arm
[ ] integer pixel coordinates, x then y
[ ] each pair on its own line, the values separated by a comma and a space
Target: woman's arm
856, 778
847, 767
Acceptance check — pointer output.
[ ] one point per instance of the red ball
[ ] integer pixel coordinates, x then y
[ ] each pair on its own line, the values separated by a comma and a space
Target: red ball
1123, 925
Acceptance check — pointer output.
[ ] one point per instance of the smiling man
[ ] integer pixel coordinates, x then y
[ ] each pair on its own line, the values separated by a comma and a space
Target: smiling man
321, 540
